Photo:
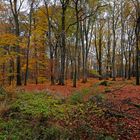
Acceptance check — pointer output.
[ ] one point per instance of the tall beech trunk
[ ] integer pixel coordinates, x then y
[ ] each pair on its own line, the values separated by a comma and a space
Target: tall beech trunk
15, 12
49, 35
76, 45
64, 4
28, 44
137, 50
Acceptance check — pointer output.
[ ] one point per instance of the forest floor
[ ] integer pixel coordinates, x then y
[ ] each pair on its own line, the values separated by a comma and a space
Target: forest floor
124, 97
118, 90
96, 110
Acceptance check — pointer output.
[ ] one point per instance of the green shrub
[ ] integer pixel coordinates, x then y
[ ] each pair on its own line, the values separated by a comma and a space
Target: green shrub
76, 98
98, 99
39, 104
29, 116
19, 129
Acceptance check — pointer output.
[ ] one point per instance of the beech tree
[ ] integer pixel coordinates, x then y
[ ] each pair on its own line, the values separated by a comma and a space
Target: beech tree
15, 8
28, 42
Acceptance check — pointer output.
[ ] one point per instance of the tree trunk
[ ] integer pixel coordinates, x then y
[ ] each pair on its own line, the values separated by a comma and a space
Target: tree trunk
28, 45
76, 44
63, 42
137, 50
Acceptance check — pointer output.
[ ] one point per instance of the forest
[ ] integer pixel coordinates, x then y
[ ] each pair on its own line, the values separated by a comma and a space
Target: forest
69, 70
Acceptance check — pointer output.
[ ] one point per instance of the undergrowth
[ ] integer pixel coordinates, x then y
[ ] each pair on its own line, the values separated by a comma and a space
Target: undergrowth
40, 116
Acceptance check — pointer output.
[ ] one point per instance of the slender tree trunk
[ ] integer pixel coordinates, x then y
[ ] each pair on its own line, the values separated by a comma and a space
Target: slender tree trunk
100, 56
28, 44
63, 42
122, 41
72, 70
133, 65
114, 24
50, 45
76, 45
15, 12
67, 64
56, 71
113, 58
108, 68
129, 63
83, 54
36, 67
18, 51
137, 50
